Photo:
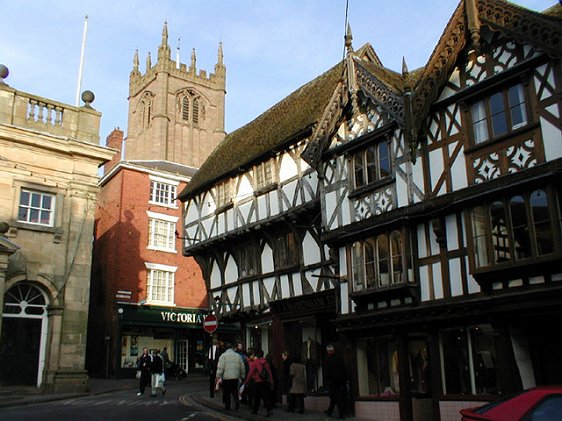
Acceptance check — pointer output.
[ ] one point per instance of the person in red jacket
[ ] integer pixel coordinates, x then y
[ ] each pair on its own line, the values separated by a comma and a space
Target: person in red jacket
260, 374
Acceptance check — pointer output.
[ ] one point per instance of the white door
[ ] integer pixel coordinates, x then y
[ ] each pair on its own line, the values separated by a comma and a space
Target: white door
183, 346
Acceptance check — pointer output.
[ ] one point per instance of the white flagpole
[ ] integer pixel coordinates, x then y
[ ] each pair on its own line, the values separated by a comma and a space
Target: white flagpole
79, 87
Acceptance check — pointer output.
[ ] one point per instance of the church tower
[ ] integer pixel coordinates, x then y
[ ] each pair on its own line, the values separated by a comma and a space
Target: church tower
176, 114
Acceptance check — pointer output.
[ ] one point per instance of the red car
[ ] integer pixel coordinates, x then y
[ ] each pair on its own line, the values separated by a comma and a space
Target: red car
536, 404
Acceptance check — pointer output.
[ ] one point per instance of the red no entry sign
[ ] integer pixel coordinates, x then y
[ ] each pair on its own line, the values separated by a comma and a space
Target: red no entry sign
210, 323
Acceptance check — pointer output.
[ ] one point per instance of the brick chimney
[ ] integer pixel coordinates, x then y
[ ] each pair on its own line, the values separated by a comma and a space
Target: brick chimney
115, 141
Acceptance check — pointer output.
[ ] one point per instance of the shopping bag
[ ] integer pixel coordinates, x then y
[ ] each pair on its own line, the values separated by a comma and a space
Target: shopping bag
241, 391
138, 374
218, 384
161, 380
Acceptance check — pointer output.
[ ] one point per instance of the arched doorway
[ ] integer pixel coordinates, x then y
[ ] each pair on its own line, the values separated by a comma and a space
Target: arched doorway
23, 339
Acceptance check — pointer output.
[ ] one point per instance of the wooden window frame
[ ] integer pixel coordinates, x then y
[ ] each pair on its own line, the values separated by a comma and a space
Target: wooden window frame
484, 98
163, 196
153, 284
482, 235
361, 268
368, 162
286, 251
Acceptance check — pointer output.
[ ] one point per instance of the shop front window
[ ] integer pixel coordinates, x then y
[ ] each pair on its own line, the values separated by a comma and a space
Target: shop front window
420, 372
468, 359
303, 341
377, 361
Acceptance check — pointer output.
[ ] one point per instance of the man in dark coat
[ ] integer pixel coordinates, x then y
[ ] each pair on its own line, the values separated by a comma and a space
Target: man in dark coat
336, 378
144, 365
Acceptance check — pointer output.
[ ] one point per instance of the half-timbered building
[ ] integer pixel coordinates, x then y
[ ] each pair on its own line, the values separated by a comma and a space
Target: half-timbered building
440, 191
411, 217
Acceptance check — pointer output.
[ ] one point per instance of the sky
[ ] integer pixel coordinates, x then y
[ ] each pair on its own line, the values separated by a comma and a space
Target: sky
271, 47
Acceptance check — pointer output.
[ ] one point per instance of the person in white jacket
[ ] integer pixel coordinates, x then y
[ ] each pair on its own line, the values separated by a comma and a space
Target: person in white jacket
230, 369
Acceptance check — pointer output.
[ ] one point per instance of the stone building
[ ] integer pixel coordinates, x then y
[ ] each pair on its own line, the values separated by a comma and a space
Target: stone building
144, 292
49, 159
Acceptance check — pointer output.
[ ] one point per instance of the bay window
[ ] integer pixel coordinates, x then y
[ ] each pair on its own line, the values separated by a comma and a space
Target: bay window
515, 228
380, 262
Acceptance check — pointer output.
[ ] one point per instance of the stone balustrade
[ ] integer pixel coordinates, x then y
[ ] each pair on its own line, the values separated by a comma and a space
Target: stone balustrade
29, 111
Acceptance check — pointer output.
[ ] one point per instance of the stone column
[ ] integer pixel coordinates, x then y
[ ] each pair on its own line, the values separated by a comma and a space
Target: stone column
7, 248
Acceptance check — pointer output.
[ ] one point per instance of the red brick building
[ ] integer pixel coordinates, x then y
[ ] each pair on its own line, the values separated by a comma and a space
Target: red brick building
144, 292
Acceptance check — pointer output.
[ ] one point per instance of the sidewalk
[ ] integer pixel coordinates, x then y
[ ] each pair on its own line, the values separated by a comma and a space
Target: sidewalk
27, 395
279, 412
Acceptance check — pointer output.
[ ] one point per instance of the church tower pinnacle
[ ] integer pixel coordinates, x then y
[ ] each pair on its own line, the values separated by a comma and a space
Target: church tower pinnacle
164, 50
176, 112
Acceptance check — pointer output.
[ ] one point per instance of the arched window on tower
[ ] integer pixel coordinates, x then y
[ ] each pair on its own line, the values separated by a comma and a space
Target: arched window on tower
195, 110
185, 108
190, 107
145, 108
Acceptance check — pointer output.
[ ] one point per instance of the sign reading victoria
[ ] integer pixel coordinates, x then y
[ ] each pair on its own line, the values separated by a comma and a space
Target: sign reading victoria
162, 316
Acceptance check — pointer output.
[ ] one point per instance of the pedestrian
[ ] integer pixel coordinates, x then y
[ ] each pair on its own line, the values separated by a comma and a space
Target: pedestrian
165, 360
250, 387
297, 373
157, 370
260, 373
275, 380
144, 365
230, 369
215, 351
243, 396
287, 360
336, 378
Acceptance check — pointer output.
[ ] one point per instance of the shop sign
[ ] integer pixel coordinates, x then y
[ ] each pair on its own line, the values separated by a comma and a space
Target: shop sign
163, 316
325, 301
